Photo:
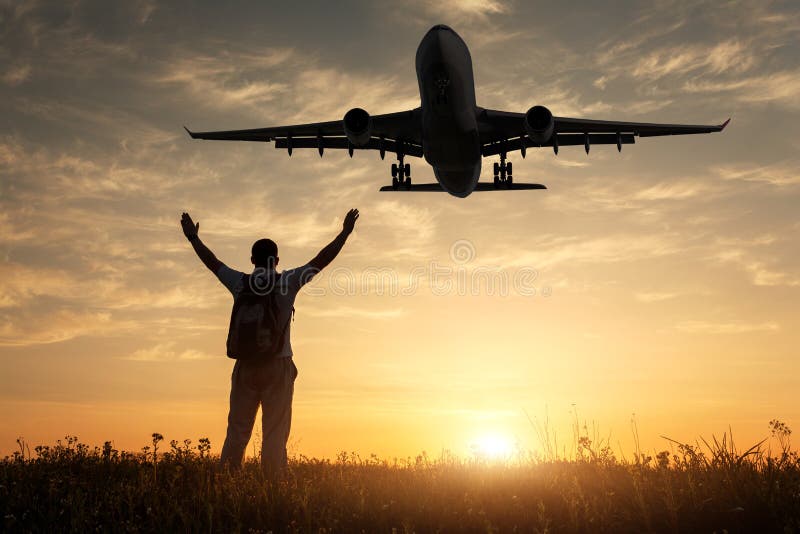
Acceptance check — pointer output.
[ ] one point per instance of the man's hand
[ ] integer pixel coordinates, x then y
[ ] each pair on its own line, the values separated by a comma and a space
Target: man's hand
190, 229
327, 254
349, 221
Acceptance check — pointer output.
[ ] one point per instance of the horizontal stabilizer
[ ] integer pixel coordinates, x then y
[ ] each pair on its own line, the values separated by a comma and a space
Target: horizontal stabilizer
482, 186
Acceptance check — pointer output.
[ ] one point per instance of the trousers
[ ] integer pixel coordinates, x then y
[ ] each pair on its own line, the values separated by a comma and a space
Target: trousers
270, 385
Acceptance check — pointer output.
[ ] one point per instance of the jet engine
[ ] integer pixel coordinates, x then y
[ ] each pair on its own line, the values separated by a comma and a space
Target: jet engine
357, 126
539, 124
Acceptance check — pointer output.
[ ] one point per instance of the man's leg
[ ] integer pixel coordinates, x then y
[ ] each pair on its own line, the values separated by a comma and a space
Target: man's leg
276, 413
244, 406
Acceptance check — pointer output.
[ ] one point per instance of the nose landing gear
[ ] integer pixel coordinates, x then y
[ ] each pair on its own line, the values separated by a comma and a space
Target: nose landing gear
401, 174
503, 173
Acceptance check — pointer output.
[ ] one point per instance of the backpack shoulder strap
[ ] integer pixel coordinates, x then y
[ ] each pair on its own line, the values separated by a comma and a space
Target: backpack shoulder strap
282, 338
246, 286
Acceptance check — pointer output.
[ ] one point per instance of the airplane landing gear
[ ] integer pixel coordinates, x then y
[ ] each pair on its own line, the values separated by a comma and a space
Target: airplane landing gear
401, 174
502, 172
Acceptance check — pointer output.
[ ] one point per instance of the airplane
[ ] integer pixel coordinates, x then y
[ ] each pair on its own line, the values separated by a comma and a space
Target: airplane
450, 130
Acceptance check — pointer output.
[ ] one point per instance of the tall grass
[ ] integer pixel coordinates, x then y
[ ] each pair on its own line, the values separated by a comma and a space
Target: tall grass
705, 487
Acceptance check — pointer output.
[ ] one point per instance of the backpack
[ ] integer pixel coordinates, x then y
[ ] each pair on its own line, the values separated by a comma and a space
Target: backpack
254, 332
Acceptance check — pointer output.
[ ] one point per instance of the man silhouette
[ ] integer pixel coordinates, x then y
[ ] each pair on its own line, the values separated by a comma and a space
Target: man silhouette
268, 383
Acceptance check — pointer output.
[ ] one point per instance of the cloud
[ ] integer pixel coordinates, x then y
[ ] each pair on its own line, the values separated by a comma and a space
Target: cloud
601, 82
407, 219
165, 352
63, 176
665, 58
360, 313
564, 162
762, 274
20, 283
744, 241
671, 191
728, 56
552, 250
641, 107
41, 328
780, 175
307, 91
42, 305
482, 23
16, 74
749, 255
730, 327
121, 297
779, 87
228, 79
611, 52
654, 296
654, 195
12, 231
129, 131
464, 10
321, 91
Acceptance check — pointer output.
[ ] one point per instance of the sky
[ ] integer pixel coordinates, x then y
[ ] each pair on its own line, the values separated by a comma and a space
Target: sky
658, 285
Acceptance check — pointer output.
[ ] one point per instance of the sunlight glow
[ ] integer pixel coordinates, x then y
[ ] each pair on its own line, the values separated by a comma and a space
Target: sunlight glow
492, 447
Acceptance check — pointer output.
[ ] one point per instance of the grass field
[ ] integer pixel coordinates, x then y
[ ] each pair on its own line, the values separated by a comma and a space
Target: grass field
707, 487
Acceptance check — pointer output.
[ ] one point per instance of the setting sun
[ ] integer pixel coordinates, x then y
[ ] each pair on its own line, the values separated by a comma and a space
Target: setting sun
492, 447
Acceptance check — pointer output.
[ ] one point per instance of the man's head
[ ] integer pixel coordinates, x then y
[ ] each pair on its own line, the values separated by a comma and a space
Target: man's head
264, 253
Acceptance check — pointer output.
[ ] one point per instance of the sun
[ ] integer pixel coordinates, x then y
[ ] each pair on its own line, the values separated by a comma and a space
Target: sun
492, 447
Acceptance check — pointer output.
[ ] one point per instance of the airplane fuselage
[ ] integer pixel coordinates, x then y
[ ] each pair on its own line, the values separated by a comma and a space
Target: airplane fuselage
450, 138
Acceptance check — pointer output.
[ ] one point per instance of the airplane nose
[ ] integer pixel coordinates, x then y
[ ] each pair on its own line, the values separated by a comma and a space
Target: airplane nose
438, 37
440, 27
438, 32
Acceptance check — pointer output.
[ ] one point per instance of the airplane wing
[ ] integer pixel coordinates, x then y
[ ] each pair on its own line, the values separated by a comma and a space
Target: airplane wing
392, 132
505, 131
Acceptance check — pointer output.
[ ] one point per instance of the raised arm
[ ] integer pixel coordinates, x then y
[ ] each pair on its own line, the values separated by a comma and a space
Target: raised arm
327, 254
190, 230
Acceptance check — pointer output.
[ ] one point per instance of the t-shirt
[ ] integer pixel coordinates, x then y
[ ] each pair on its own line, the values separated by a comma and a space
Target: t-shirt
287, 287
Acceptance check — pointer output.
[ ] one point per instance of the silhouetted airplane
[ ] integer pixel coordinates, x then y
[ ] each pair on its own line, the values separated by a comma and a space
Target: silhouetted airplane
450, 130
